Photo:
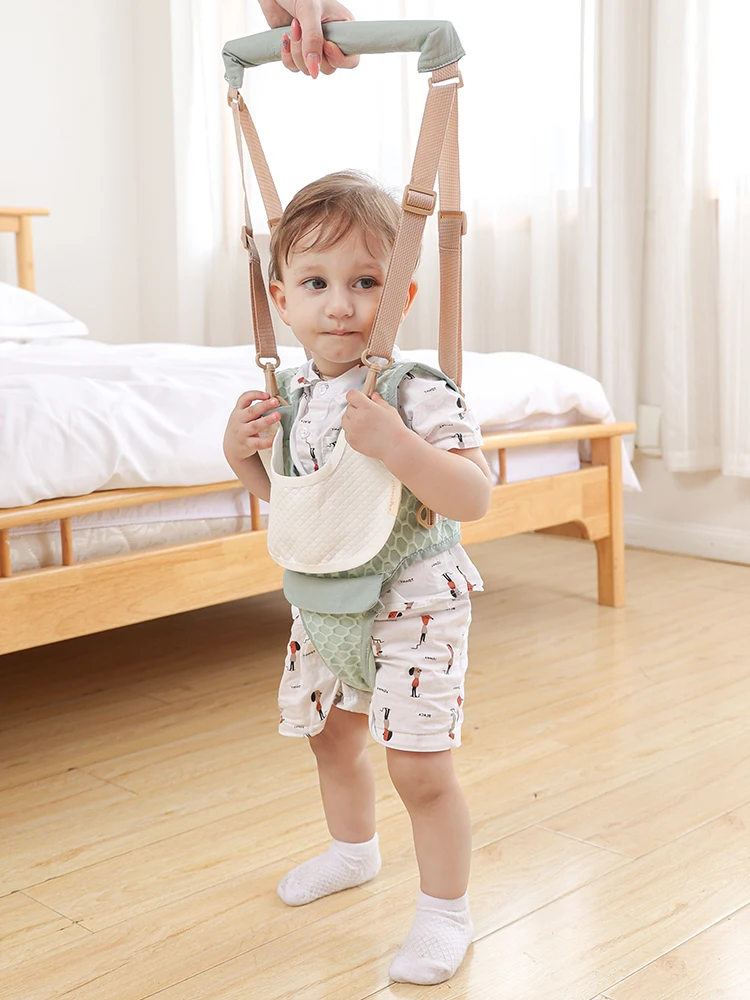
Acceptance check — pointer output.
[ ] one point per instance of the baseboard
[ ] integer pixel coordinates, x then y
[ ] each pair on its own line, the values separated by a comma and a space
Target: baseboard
723, 544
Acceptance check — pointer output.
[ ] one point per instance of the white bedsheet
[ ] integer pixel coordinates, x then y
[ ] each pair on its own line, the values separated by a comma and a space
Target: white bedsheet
78, 416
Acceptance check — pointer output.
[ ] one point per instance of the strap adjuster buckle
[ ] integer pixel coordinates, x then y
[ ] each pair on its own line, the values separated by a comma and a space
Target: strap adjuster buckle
447, 214
456, 80
234, 99
418, 201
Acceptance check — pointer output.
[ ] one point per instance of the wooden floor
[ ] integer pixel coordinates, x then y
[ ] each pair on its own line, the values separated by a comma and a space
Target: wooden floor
148, 808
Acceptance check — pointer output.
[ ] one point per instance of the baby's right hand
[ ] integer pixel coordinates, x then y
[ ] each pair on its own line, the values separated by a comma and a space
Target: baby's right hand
242, 438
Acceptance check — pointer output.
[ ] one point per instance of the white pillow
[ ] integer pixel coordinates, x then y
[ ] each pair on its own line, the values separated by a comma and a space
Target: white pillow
26, 316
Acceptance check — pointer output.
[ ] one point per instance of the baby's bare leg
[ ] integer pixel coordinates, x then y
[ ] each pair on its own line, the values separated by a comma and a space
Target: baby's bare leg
347, 787
442, 929
345, 775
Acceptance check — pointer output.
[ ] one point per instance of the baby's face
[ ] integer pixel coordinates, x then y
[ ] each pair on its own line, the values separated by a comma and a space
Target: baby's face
329, 298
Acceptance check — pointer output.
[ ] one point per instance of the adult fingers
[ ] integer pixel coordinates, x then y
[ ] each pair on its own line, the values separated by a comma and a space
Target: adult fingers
335, 58
310, 14
296, 48
286, 53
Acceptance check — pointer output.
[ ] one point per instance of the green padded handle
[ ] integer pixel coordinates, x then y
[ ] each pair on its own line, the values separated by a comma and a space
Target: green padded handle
437, 42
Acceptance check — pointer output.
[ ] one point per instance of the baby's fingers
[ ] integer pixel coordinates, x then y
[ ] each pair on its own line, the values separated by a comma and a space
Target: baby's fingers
251, 396
252, 413
254, 427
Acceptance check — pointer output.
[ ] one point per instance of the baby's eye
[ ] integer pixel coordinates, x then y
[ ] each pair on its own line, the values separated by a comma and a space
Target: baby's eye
314, 284
365, 283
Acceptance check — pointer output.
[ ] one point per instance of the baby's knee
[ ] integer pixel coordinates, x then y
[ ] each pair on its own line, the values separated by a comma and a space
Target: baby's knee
421, 778
343, 737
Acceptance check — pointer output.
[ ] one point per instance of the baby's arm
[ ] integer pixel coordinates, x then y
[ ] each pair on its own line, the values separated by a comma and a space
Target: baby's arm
242, 440
456, 483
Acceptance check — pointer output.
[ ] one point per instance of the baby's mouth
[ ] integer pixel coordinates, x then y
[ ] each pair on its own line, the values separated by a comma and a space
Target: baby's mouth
340, 333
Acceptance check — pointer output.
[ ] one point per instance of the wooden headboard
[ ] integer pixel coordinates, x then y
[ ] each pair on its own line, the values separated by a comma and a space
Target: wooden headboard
18, 221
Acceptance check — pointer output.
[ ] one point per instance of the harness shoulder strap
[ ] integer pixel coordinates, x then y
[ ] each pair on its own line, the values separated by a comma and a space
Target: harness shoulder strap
436, 155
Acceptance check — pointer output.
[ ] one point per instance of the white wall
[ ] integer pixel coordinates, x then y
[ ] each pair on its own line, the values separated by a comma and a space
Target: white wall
67, 132
702, 514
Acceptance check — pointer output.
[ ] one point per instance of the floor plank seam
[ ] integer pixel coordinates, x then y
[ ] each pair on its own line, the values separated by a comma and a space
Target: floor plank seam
674, 948
22, 892
105, 781
133, 850
588, 843
629, 780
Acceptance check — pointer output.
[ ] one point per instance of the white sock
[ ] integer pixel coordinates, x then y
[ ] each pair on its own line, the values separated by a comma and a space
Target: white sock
341, 867
437, 942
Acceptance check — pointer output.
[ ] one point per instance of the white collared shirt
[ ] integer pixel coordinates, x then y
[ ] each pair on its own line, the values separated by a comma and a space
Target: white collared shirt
432, 409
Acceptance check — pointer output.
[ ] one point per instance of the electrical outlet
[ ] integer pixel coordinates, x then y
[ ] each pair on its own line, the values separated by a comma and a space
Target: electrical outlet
648, 434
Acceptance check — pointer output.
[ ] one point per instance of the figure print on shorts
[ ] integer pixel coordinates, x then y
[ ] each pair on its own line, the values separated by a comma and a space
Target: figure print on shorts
312, 456
460, 438
452, 657
426, 619
415, 672
451, 585
377, 646
315, 697
469, 585
394, 614
387, 732
454, 723
294, 648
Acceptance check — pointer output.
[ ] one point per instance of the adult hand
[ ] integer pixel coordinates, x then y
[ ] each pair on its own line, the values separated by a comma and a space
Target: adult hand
305, 49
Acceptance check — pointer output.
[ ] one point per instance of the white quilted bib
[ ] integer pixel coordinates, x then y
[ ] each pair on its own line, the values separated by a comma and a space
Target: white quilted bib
334, 519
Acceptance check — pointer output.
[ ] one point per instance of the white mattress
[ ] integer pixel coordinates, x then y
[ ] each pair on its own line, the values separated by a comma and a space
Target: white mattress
132, 529
79, 416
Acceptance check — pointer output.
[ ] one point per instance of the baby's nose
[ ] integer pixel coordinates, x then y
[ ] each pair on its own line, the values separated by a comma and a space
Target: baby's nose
340, 302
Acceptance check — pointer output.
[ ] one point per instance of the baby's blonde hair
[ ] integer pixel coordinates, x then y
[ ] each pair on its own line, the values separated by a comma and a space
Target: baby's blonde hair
324, 213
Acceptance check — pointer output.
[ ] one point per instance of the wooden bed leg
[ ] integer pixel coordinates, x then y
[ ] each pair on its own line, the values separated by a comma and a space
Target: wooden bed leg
25, 254
610, 551
5, 563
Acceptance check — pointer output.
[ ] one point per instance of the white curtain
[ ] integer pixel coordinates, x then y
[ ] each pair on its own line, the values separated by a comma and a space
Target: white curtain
696, 330
588, 129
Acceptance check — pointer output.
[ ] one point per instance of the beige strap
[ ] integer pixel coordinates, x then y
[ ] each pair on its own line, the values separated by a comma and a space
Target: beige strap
436, 154
439, 121
267, 355
451, 230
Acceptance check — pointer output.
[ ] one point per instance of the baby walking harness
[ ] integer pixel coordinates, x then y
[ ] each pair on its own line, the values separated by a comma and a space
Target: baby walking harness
345, 532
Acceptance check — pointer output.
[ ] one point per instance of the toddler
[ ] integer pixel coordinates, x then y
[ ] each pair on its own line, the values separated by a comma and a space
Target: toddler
329, 258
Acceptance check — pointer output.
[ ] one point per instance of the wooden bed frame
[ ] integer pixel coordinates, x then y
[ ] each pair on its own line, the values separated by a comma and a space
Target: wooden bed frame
60, 602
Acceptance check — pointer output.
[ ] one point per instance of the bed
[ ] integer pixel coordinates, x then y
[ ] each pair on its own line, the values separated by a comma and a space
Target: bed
117, 506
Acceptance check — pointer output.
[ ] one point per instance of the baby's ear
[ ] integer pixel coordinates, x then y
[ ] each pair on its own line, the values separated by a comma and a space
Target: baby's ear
413, 289
278, 295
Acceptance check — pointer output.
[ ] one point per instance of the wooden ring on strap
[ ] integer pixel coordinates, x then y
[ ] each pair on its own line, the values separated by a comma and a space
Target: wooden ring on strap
375, 369
269, 361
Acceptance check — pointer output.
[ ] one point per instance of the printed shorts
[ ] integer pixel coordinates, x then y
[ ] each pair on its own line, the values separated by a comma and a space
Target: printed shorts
417, 704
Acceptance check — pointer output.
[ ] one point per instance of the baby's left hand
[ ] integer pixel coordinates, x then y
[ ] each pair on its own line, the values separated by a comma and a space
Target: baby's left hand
372, 426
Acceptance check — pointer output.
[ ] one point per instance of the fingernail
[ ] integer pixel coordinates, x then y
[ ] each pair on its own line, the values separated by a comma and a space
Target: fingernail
296, 31
313, 64
285, 43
